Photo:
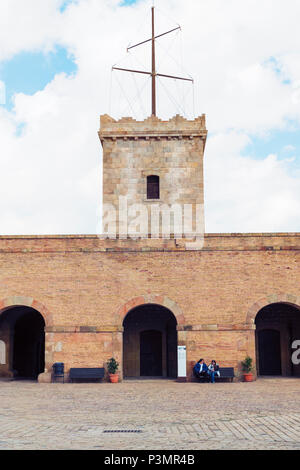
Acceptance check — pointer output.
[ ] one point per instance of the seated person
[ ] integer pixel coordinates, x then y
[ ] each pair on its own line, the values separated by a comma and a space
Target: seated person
201, 369
213, 369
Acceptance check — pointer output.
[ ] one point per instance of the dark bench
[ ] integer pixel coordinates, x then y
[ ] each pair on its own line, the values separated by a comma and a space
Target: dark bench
225, 373
86, 373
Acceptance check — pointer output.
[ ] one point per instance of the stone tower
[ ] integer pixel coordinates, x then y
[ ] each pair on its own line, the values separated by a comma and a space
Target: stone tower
154, 164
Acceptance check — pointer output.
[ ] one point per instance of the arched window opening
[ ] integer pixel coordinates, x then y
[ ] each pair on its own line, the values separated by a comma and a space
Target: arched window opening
153, 189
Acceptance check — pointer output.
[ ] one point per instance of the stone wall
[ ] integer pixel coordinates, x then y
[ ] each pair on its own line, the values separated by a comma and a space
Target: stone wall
172, 150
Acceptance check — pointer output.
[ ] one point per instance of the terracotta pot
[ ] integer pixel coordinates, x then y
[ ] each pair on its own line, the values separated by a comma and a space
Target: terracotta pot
114, 378
248, 377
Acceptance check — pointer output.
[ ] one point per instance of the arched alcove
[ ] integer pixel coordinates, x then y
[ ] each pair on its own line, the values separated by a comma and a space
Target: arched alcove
23, 329
277, 327
150, 342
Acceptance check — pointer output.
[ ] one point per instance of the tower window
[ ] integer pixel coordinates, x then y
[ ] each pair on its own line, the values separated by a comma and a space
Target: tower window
153, 187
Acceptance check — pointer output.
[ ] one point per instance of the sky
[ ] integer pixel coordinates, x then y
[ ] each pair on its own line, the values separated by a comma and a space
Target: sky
56, 80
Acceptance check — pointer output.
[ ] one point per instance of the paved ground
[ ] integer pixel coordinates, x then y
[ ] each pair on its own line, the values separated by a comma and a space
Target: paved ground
169, 415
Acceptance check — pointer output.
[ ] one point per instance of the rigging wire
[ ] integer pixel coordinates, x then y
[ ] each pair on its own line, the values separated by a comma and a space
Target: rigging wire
166, 15
110, 91
142, 24
180, 92
177, 105
194, 113
138, 91
181, 89
125, 95
138, 95
167, 50
175, 60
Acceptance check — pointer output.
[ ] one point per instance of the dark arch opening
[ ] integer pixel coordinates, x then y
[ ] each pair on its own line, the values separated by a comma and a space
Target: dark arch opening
151, 353
269, 352
277, 326
24, 331
150, 342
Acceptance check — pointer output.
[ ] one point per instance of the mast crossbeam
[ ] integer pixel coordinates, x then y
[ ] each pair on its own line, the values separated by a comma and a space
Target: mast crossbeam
153, 73
156, 37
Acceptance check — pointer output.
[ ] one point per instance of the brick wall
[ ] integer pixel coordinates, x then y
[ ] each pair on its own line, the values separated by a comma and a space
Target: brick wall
80, 284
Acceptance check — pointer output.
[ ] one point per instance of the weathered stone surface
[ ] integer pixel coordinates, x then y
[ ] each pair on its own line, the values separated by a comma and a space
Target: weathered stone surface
172, 150
45, 378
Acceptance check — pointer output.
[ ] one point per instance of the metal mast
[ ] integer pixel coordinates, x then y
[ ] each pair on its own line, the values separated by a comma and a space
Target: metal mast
153, 67
153, 72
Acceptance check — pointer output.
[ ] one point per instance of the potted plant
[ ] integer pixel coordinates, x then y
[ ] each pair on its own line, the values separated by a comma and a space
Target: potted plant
112, 367
247, 368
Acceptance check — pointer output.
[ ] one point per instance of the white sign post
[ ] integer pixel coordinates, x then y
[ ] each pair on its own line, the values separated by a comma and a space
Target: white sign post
181, 355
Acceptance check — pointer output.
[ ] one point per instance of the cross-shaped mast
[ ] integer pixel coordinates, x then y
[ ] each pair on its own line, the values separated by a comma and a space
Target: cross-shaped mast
153, 72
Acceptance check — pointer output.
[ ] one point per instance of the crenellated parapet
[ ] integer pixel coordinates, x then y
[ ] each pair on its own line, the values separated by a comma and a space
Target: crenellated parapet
152, 128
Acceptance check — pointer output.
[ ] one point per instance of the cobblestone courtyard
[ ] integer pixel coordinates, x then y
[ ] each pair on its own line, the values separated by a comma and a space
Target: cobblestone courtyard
169, 415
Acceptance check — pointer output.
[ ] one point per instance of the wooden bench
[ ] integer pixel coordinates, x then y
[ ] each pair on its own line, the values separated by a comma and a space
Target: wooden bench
86, 373
225, 373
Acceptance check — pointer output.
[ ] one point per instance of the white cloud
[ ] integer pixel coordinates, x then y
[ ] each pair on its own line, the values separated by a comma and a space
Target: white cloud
28, 25
2, 93
51, 172
289, 148
247, 195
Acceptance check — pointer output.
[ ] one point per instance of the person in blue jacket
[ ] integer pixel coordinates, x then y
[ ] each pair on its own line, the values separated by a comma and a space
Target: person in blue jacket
201, 369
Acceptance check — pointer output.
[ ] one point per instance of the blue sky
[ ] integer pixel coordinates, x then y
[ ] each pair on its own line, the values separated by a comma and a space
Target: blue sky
248, 87
285, 144
29, 72
65, 5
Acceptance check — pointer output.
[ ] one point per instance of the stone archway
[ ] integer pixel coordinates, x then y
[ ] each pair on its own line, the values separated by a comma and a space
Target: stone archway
160, 301
23, 323
277, 325
150, 342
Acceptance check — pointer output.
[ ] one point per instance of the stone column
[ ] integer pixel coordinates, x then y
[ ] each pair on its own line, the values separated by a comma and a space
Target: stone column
117, 350
46, 376
286, 365
182, 341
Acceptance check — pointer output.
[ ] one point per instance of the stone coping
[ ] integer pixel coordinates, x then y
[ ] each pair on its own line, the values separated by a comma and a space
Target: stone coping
27, 244
99, 237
